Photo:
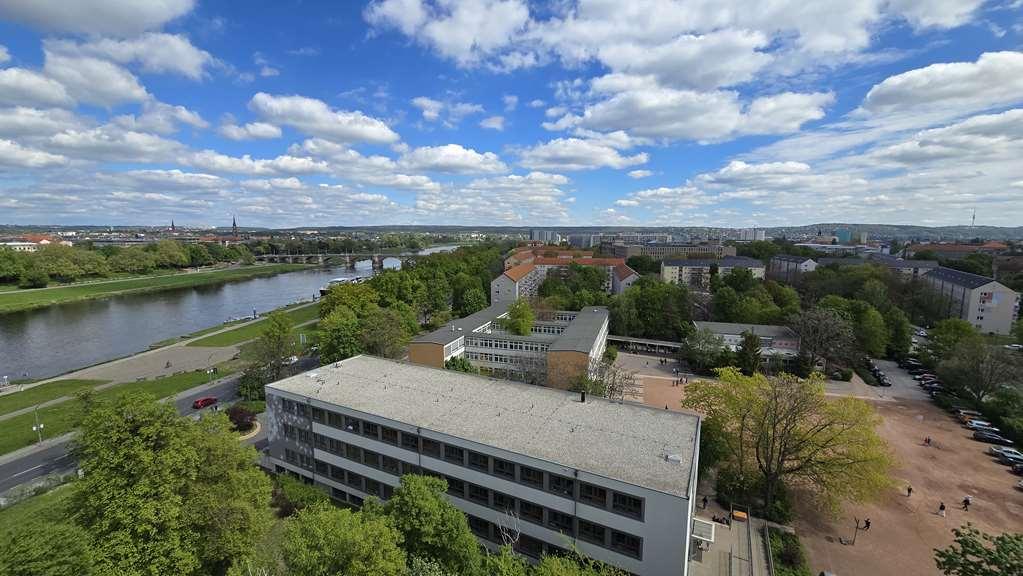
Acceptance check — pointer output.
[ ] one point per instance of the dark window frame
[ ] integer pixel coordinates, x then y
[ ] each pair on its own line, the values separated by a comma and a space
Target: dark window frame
531, 512
498, 464
627, 505
410, 441
485, 468
585, 487
478, 494
632, 545
454, 454
427, 447
386, 433
588, 535
533, 482
370, 429
566, 485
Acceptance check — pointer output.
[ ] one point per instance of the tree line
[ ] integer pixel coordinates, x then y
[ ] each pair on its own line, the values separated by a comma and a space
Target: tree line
59, 263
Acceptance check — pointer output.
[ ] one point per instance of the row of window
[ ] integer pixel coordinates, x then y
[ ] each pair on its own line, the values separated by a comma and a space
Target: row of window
501, 358
499, 344
590, 494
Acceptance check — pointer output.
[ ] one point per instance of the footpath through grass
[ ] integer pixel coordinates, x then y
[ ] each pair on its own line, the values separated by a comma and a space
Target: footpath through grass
43, 393
14, 301
251, 331
62, 418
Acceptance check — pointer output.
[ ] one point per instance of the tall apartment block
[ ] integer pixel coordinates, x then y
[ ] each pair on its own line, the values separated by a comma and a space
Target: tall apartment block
542, 469
990, 306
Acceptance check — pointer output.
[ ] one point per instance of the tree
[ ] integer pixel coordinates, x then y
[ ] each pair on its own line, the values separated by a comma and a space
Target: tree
875, 293
977, 370
323, 541
162, 494
11, 265
702, 350
461, 284
748, 355
33, 277
785, 430
242, 419
394, 286
383, 332
603, 378
900, 333
338, 335
276, 342
824, 334
944, 338
643, 265
610, 354
460, 364
291, 495
519, 318
473, 301
869, 328
45, 548
198, 255
975, 553
431, 527
357, 297
651, 308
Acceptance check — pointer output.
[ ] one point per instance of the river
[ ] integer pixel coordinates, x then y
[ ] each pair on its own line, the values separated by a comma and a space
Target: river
49, 341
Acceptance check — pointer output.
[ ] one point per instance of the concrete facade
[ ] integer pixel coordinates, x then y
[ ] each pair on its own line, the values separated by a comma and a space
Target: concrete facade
669, 249
696, 273
990, 306
788, 269
528, 465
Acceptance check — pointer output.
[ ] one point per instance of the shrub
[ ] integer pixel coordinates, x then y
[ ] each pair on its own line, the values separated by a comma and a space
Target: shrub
242, 419
788, 555
291, 495
33, 278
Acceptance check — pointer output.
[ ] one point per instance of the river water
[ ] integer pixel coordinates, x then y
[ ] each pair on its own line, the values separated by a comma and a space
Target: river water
57, 339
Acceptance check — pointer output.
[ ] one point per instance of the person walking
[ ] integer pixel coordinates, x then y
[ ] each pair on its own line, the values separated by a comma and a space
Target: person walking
941, 509
909, 491
966, 503
866, 524
704, 502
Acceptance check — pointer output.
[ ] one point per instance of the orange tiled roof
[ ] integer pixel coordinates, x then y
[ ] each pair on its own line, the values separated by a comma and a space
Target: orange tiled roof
580, 261
519, 272
622, 271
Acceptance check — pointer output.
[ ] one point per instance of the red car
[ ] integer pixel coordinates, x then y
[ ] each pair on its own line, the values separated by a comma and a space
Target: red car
201, 403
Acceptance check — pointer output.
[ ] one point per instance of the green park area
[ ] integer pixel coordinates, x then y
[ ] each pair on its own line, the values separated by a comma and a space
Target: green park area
297, 315
14, 301
43, 393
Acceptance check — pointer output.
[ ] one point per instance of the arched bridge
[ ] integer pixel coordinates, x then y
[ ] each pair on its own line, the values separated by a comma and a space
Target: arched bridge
348, 260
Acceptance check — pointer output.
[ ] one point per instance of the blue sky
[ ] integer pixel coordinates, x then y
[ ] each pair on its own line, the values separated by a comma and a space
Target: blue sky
576, 112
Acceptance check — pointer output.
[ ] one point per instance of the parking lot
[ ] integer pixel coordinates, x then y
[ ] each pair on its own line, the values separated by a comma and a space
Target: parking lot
906, 529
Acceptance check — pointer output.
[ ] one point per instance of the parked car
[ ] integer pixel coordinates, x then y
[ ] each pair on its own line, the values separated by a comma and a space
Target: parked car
977, 425
1017, 469
1011, 458
965, 416
884, 381
203, 402
991, 438
925, 376
997, 450
289, 360
1014, 346
918, 371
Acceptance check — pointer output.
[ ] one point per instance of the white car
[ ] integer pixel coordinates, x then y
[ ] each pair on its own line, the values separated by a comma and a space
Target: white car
1014, 346
1010, 452
974, 424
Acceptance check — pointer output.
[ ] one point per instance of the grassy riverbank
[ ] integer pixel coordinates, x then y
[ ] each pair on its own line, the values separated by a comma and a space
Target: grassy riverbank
298, 315
43, 393
15, 301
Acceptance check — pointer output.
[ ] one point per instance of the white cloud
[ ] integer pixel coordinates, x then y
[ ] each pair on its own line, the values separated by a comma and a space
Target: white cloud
936, 13
268, 72
16, 155
537, 103
162, 180
348, 164
511, 102
430, 108
315, 118
161, 118
455, 111
493, 123
250, 131
93, 80
637, 174
577, 154
216, 162
452, 158
154, 52
784, 113
32, 124
114, 17
4, 54
19, 86
111, 143
524, 199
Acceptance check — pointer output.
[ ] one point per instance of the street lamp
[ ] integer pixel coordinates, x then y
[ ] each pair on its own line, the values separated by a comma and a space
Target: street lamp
38, 427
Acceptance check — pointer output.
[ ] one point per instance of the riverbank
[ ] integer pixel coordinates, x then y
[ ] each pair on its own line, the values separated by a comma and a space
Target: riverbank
17, 301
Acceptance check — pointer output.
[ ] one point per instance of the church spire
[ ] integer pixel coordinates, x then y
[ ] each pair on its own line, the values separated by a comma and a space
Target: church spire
234, 226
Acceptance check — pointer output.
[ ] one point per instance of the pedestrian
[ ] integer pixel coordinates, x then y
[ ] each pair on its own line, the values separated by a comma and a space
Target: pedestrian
866, 524
665, 406
966, 504
941, 509
927, 441
909, 491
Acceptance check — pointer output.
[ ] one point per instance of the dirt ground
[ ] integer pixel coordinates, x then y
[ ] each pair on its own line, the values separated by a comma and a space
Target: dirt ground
904, 530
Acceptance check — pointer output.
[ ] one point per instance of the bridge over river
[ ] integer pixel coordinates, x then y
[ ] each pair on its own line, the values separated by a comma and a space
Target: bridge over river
349, 260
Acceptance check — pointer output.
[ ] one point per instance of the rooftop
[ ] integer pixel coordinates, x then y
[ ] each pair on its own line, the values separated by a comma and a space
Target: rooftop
959, 278
519, 272
726, 262
582, 332
791, 258
459, 327
733, 329
626, 441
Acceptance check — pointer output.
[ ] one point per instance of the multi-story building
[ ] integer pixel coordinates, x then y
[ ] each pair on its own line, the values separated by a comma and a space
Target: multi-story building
540, 469
548, 236
561, 346
521, 281
752, 234
911, 268
665, 250
696, 273
988, 305
786, 268
779, 345
526, 269
955, 251
20, 246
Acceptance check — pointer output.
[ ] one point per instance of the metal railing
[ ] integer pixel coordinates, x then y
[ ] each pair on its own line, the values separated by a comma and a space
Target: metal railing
767, 549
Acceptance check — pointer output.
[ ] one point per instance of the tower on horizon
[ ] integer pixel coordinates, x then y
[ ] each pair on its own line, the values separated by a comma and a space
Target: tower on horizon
172, 224
234, 226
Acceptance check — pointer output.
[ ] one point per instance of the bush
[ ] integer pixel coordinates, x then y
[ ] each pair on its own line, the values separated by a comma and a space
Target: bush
254, 406
611, 354
242, 419
844, 374
33, 278
787, 553
867, 377
291, 495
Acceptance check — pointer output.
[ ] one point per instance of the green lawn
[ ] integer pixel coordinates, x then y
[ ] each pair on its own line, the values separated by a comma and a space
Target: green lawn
62, 418
251, 331
43, 393
51, 506
12, 301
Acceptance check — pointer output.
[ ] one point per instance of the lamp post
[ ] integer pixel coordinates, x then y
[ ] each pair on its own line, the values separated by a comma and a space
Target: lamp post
38, 427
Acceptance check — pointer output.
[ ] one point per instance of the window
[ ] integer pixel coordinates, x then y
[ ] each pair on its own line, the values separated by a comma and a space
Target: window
354, 480
372, 487
407, 468
454, 454
626, 544
370, 458
531, 476
627, 505
479, 461
591, 494
300, 409
529, 546
479, 494
592, 532
339, 494
431, 448
303, 435
561, 485
531, 512
386, 492
479, 526
410, 441
559, 521
290, 455
390, 465
318, 415
353, 452
504, 468
352, 424
289, 431
504, 502
320, 441
321, 467
355, 500
456, 487
334, 420
337, 473
370, 429
389, 435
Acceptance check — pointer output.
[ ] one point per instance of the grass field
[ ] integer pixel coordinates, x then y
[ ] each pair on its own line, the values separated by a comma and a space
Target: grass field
64, 417
43, 393
49, 506
13, 301
250, 331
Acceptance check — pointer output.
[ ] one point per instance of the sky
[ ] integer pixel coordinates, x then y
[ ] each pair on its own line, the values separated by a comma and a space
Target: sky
731, 113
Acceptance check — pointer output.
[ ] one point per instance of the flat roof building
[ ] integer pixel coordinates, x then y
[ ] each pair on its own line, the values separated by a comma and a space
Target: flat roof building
658, 250
990, 306
614, 480
696, 273
788, 269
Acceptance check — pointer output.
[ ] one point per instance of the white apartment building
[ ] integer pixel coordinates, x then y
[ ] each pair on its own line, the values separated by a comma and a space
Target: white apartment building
990, 306
544, 469
696, 273
788, 269
20, 246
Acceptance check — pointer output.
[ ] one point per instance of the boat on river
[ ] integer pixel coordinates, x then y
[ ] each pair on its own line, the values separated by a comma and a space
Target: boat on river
336, 281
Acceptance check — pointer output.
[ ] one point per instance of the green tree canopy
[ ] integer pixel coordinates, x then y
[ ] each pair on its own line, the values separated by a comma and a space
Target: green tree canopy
45, 548
326, 541
520, 318
338, 335
945, 338
975, 553
383, 332
275, 343
357, 297
747, 357
977, 370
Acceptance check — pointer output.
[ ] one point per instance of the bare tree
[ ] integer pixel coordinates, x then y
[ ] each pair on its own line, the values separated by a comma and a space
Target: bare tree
977, 370
824, 334
603, 378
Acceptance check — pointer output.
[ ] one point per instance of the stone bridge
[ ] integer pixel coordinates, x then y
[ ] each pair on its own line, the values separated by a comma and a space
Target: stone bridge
348, 260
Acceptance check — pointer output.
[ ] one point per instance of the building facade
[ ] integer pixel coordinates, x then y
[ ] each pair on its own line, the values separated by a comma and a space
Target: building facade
990, 306
536, 468
670, 249
696, 273
526, 269
788, 269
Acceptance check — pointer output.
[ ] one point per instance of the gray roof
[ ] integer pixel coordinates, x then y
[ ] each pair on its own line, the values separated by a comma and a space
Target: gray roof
850, 261
581, 333
893, 262
791, 258
628, 442
726, 262
762, 330
462, 326
959, 278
